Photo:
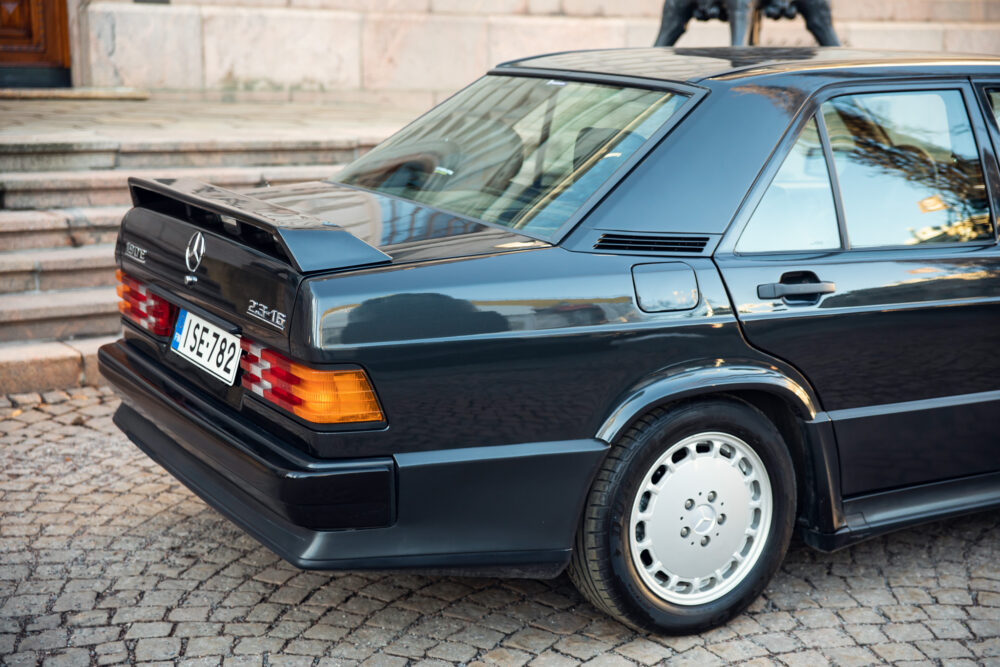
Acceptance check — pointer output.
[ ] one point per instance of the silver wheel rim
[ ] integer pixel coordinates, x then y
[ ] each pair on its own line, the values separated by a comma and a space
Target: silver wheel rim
700, 518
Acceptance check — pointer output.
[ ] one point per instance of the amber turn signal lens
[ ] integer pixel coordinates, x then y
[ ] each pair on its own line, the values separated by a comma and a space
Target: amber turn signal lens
318, 396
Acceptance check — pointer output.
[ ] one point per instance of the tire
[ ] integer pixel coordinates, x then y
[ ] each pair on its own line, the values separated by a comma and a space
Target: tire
658, 548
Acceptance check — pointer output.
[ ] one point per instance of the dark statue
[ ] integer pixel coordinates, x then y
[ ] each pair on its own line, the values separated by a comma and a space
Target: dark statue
744, 18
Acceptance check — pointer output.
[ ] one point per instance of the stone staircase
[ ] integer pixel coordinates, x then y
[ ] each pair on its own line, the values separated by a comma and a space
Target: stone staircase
60, 206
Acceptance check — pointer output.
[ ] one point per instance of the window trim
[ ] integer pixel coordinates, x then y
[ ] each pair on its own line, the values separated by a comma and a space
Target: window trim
991, 130
812, 108
830, 181
834, 177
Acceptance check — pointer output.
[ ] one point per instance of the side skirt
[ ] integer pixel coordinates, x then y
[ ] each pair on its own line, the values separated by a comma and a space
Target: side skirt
875, 514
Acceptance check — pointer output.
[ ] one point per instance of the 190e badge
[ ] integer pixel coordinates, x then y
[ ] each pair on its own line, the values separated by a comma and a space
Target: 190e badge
273, 317
135, 252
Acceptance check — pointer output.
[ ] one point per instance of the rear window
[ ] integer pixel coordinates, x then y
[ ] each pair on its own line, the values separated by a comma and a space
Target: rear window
521, 152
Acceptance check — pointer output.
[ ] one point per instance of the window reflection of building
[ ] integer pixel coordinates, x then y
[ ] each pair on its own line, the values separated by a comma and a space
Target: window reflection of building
906, 179
958, 231
403, 222
375, 219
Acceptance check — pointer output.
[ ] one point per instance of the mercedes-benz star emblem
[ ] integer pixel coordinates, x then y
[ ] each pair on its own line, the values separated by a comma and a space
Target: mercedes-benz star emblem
706, 519
195, 251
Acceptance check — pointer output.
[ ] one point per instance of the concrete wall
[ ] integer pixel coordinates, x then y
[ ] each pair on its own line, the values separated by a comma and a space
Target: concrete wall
425, 49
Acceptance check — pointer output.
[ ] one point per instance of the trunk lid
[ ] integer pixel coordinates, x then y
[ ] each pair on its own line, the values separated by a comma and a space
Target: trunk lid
236, 259
239, 258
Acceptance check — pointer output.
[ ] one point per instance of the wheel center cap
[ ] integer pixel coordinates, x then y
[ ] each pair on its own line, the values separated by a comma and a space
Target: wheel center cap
704, 519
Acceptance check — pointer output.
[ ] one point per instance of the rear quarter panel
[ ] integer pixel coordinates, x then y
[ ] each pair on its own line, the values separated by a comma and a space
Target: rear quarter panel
530, 346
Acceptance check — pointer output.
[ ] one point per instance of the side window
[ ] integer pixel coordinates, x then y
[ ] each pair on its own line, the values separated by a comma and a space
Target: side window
908, 169
994, 96
797, 211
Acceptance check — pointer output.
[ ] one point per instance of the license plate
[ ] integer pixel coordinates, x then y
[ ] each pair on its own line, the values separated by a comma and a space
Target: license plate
207, 346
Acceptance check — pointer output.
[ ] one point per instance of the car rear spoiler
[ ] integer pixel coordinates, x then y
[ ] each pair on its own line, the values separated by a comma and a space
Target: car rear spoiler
307, 243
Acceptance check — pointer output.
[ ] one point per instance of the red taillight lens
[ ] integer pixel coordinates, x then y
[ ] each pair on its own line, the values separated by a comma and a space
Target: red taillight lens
143, 308
323, 397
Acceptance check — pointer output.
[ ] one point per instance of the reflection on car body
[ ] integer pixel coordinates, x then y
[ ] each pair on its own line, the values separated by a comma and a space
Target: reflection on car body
640, 314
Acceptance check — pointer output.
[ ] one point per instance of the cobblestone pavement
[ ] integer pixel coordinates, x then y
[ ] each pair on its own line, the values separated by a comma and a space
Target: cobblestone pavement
106, 559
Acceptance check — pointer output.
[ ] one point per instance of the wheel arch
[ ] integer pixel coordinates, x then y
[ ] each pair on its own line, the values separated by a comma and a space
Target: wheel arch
785, 398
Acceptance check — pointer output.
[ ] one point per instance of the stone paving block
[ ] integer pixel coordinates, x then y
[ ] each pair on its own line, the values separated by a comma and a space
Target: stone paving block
47, 639
24, 605
25, 400
94, 635
79, 601
455, 652
804, 659
73, 657
578, 646
163, 648
939, 649
532, 640
903, 613
694, 657
142, 630
609, 660
201, 646
907, 632
644, 651
896, 652
209, 661
504, 656
563, 623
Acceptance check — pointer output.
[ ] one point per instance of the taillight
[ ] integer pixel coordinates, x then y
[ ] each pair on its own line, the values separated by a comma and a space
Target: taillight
322, 397
142, 307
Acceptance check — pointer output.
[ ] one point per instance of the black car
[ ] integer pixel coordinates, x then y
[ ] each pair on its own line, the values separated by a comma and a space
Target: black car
638, 313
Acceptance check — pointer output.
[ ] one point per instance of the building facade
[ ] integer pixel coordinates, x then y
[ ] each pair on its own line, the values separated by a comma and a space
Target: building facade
377, 49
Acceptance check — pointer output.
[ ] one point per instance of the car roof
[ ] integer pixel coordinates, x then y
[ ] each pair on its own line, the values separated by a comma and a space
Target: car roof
698, 64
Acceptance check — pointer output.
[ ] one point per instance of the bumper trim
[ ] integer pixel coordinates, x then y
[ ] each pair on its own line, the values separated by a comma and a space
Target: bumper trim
504, 510
311, 493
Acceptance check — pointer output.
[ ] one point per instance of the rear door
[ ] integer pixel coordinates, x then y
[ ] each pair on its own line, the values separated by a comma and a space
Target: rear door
866, 256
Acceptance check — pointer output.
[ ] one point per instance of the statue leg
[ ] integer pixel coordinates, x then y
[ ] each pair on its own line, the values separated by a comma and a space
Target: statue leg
742, 16
676, 14
756, 18
819, 21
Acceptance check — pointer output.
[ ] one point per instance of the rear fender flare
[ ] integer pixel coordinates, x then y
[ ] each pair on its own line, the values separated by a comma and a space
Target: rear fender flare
822, 511
707, 377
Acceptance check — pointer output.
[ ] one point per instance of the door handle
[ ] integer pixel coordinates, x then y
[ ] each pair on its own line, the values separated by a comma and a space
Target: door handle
781, 290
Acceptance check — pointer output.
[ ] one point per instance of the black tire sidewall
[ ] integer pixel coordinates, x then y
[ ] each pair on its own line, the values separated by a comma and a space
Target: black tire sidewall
746, 423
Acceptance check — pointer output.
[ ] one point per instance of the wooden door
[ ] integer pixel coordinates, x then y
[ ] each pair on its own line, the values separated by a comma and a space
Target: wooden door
33, 34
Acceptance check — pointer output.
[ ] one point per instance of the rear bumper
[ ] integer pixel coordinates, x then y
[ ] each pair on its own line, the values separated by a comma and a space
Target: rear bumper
509, 509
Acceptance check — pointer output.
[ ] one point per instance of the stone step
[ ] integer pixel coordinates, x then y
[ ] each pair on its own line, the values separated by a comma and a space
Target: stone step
40, 366
20, 154
59, 228
57, 268
66, 189
59, 315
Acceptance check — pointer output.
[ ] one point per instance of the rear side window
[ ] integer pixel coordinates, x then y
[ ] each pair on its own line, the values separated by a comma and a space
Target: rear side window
908, 169
994, 96
797, 211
